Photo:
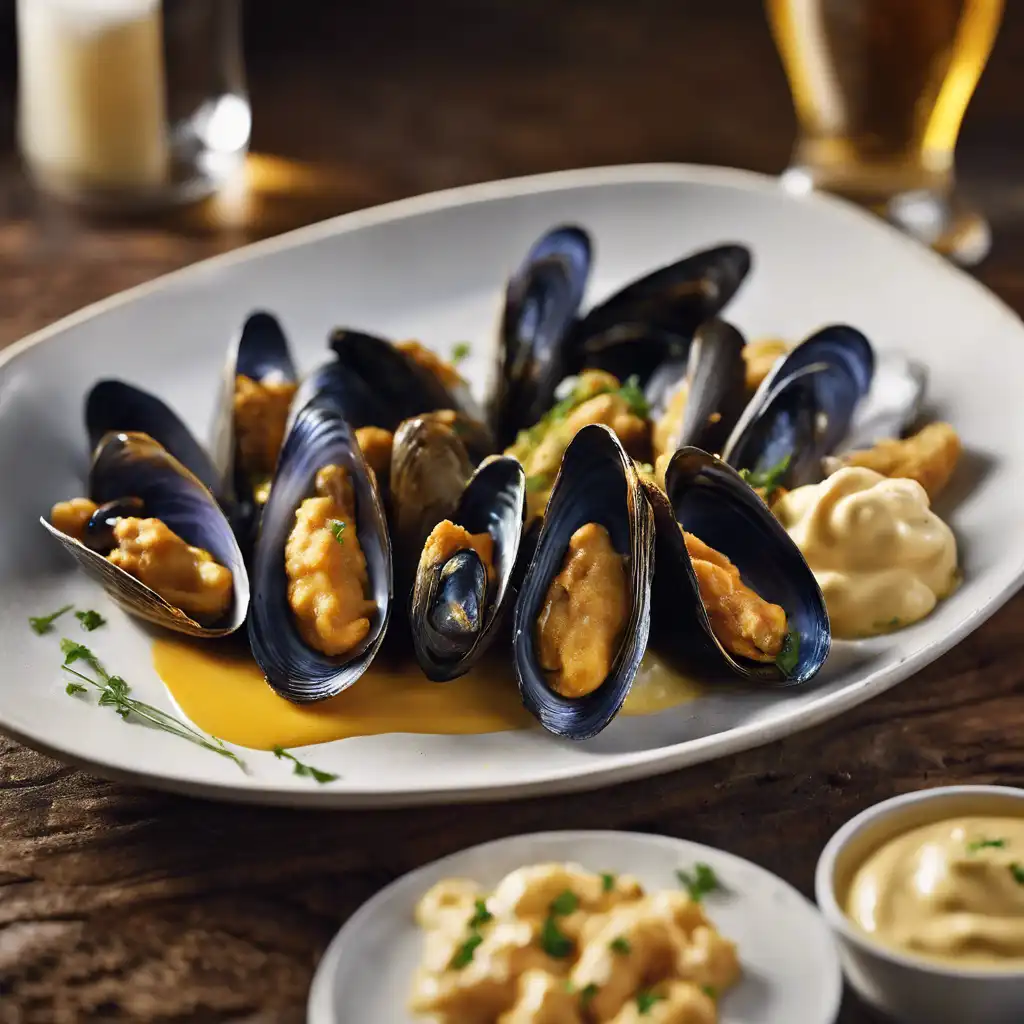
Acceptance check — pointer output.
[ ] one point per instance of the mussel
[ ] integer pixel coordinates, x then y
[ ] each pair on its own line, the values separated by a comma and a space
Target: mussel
114, 406
463, 581
133, 480
259, 385
803, 409
697, 402
407, 378
301, 547
768, 582
597, 506
653, 319
542, 299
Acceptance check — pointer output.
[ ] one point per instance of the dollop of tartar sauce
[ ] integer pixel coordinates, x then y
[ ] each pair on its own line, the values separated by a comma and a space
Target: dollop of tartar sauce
952, 890
882, 558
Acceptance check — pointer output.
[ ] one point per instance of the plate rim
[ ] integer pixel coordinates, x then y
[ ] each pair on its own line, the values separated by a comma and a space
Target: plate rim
626, 767
319, 1002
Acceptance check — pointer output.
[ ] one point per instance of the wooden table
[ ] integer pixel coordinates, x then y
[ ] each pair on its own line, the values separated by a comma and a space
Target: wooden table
121, 904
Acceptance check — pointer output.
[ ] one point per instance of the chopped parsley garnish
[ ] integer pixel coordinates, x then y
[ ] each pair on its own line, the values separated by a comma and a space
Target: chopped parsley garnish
554, 941
789, 657
770, 479
481, 915
620, 945
537, 482
645, 999
564, 903
607, 882
587, 994
90, 620
337, 527
460, 351
1018, 873
463, 956
305, 770
710, 991
114, 693
635, 397
700, 883
44, 623
985, 844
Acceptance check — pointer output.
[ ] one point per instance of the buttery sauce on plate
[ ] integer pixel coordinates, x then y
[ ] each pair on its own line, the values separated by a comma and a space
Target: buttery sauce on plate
950, 891
223, 692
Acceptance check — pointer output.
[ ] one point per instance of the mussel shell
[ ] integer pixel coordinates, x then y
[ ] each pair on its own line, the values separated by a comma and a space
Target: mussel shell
669, 303
336, 385
633, 349
430, 468
402, 385
133, 463
597, 482
453, 619
114, 406
319, 437
803, 417
711, 501
541, 302
836, 343
715, 381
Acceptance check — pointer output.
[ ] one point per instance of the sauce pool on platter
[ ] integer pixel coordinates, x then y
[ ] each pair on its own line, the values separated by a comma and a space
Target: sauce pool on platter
220, 688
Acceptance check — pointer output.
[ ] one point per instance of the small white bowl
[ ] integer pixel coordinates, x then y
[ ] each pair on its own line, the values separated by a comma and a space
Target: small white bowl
905, 987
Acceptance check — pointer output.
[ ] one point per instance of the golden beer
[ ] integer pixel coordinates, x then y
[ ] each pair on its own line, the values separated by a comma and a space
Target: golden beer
880, 88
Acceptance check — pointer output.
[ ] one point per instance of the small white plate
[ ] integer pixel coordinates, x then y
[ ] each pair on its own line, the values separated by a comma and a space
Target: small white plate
790, 965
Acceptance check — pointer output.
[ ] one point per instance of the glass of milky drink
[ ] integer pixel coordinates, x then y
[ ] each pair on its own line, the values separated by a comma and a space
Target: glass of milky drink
131, 104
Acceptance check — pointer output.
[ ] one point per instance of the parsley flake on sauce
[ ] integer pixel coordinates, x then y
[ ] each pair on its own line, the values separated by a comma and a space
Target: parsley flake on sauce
554, 941
90, 620
1018, 873
985, 844
463, 956
645, 999
44, 623
710, 991
460, 351
700, 883
587, 995
770, 479
620, 945
481, 915
564, 903
337, 527
607, 882
635, 398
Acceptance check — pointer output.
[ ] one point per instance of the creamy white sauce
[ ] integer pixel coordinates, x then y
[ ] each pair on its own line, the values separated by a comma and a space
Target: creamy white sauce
882, 558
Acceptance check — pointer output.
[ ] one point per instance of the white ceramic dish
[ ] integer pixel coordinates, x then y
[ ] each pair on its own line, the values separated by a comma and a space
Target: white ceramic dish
434, 267
906, 988
790, 967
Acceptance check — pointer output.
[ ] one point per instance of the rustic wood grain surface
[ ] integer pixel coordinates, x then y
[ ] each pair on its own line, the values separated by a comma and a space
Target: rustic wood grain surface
119, 904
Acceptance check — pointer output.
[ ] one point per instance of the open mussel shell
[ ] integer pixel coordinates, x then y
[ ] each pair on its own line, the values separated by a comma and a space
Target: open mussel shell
114, 406
430, 468
710, 500
260, 352
319, 437
541, 302
453, 612
714, 377
402, 385
133, 465
653, 318
597, 482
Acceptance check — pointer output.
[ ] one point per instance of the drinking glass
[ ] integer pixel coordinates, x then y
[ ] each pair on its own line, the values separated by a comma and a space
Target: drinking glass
128, 104
880, 88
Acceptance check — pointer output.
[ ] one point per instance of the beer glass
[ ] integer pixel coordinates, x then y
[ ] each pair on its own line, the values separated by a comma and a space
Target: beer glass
880, 88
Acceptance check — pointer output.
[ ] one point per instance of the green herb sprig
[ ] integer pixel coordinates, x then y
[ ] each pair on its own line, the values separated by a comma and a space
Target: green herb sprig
645, 999
620, 945
90, 620
587, 994
789, 657
337, 528
702, 881
463, 956
770, 479
1017, 870
305, 770
460, 352
115, 693
553, 940
44, 623
607, 882
635, 397
985, 844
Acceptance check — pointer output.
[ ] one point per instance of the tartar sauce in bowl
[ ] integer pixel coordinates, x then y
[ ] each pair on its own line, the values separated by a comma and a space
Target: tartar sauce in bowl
952, 890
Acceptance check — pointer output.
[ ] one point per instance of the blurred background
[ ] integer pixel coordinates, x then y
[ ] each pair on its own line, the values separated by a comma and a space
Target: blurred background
363, 101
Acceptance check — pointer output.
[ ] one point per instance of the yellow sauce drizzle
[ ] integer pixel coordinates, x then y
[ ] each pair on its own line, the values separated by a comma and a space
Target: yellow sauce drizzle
223, 692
